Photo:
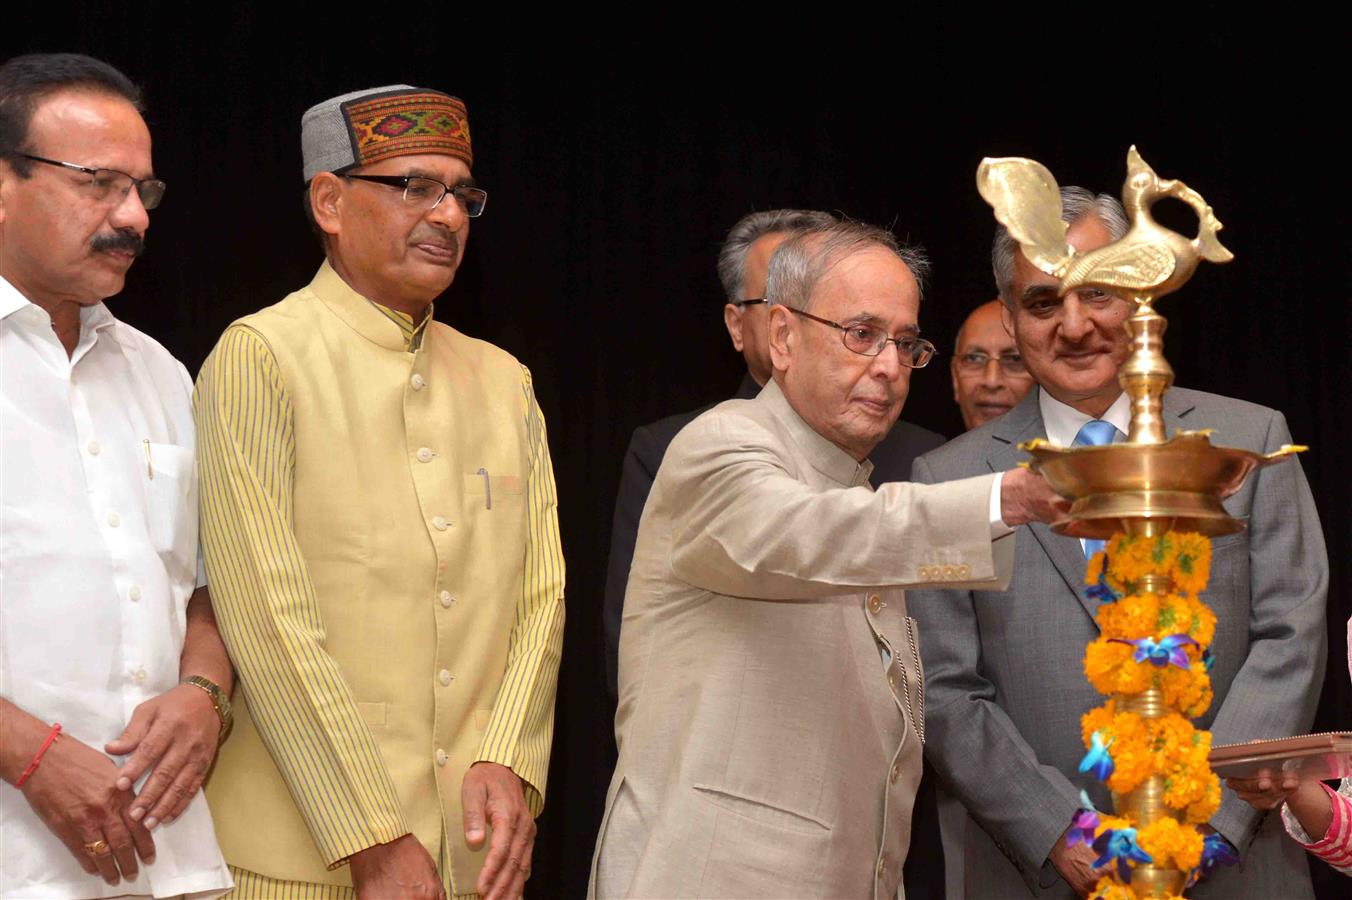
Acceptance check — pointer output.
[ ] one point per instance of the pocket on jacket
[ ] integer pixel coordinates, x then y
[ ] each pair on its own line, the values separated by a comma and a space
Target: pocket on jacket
373, 713
761, 811
759, 850
171, 506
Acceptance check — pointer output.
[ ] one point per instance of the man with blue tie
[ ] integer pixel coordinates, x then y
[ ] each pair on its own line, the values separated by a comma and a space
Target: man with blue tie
1003, 675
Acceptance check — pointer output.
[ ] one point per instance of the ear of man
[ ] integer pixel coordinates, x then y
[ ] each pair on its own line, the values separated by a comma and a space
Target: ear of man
732, 318
326, 198
783, 338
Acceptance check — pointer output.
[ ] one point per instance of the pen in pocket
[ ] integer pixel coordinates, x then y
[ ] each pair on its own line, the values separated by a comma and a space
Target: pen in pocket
150, 472
488, 489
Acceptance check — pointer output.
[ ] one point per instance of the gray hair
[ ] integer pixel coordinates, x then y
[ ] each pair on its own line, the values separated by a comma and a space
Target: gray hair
802, 260
1076, 204
753, 227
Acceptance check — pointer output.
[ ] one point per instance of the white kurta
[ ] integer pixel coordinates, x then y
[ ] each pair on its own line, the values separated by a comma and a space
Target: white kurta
98, 558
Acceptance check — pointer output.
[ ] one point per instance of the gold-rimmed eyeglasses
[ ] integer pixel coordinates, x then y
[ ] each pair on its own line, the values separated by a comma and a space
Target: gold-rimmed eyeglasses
976, 361
869, 340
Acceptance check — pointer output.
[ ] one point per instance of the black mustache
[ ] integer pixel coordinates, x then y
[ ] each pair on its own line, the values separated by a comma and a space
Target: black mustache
128, 241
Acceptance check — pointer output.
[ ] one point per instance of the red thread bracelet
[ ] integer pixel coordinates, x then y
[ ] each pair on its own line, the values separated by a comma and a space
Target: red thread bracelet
37, 757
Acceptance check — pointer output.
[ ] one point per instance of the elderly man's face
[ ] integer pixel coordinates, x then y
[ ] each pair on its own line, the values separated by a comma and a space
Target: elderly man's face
1072, 345
988, 374
747, 325
394, 252
59, 240
849, 399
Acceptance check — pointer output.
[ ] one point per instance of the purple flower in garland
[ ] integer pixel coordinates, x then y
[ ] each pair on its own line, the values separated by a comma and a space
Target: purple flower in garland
1082, 827
1119, 844
1098, 760
1217, 851
1102, 591
1167, 651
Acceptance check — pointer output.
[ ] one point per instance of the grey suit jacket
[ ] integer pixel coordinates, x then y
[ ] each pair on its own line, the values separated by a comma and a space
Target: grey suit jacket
765, 748
1006, 684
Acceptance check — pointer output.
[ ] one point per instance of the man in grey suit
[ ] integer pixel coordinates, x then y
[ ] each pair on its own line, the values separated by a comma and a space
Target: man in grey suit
1003, 668
771, 707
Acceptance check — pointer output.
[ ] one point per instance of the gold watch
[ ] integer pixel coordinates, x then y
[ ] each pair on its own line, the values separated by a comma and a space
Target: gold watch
218, 700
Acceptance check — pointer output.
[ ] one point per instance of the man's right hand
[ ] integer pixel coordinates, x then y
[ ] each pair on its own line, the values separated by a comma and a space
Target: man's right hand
401, 868
1076, 866
74, 792
1025, 496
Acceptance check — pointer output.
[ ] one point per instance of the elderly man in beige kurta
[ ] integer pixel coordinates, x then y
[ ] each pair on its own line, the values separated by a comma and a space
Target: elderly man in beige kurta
771, 709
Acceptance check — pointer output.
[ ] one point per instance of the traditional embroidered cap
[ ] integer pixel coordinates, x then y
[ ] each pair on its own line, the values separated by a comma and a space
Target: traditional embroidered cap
363, 127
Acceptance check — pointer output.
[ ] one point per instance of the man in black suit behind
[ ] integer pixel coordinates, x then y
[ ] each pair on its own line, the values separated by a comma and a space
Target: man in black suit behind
742, 264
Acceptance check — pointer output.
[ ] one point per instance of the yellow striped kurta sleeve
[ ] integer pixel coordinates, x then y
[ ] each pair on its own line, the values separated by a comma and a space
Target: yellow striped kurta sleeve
267, 609
522, 725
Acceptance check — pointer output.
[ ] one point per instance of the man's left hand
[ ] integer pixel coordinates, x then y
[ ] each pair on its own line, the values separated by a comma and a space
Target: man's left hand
494, 793
177, 734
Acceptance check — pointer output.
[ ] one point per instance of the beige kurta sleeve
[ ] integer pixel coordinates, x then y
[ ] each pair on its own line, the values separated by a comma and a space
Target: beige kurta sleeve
747, 527
267, 608
522, 727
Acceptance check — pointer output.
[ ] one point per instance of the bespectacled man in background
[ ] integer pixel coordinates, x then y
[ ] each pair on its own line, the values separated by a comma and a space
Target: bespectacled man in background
989, 376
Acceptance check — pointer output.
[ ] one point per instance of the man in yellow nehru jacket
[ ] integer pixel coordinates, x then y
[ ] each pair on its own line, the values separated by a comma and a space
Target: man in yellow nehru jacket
380, 530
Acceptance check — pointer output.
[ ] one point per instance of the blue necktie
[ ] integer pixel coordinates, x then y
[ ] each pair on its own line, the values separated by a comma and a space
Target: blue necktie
1094, 433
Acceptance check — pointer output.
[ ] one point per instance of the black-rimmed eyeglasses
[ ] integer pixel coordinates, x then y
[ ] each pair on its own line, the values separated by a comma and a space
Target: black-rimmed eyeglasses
743, 304
427, 193
869, 340
110, 185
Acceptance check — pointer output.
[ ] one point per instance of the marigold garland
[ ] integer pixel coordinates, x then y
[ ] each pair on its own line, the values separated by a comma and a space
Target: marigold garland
1169, 747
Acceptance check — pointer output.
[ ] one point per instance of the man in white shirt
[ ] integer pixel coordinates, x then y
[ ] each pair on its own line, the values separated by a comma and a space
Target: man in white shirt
110, 663
1003, 669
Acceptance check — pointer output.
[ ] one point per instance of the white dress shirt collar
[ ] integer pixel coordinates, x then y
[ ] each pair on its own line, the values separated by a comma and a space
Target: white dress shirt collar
94, 319
10, 298
1063, 422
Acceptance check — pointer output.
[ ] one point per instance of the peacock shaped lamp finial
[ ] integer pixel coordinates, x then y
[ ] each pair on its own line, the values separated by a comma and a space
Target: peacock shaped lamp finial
1147, 262
1152, 480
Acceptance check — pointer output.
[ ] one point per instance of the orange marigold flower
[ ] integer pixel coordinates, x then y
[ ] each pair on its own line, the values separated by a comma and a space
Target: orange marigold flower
1201, 812
1130, 618
1095, 567
1191, 563
1097, 719
1111, 669
1171, 844
1132, 764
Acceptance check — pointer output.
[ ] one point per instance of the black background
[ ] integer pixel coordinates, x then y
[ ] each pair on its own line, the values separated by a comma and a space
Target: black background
615, 165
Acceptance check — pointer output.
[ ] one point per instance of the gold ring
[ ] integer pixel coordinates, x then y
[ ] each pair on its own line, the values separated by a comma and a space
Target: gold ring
97, 848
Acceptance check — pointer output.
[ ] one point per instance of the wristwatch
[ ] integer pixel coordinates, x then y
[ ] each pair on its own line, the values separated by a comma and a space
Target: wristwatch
218, 700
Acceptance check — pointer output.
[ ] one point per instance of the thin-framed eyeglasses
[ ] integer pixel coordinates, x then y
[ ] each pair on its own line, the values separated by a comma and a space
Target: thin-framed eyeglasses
427, 193
869, 340
110, 184
743, 304
976, 361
